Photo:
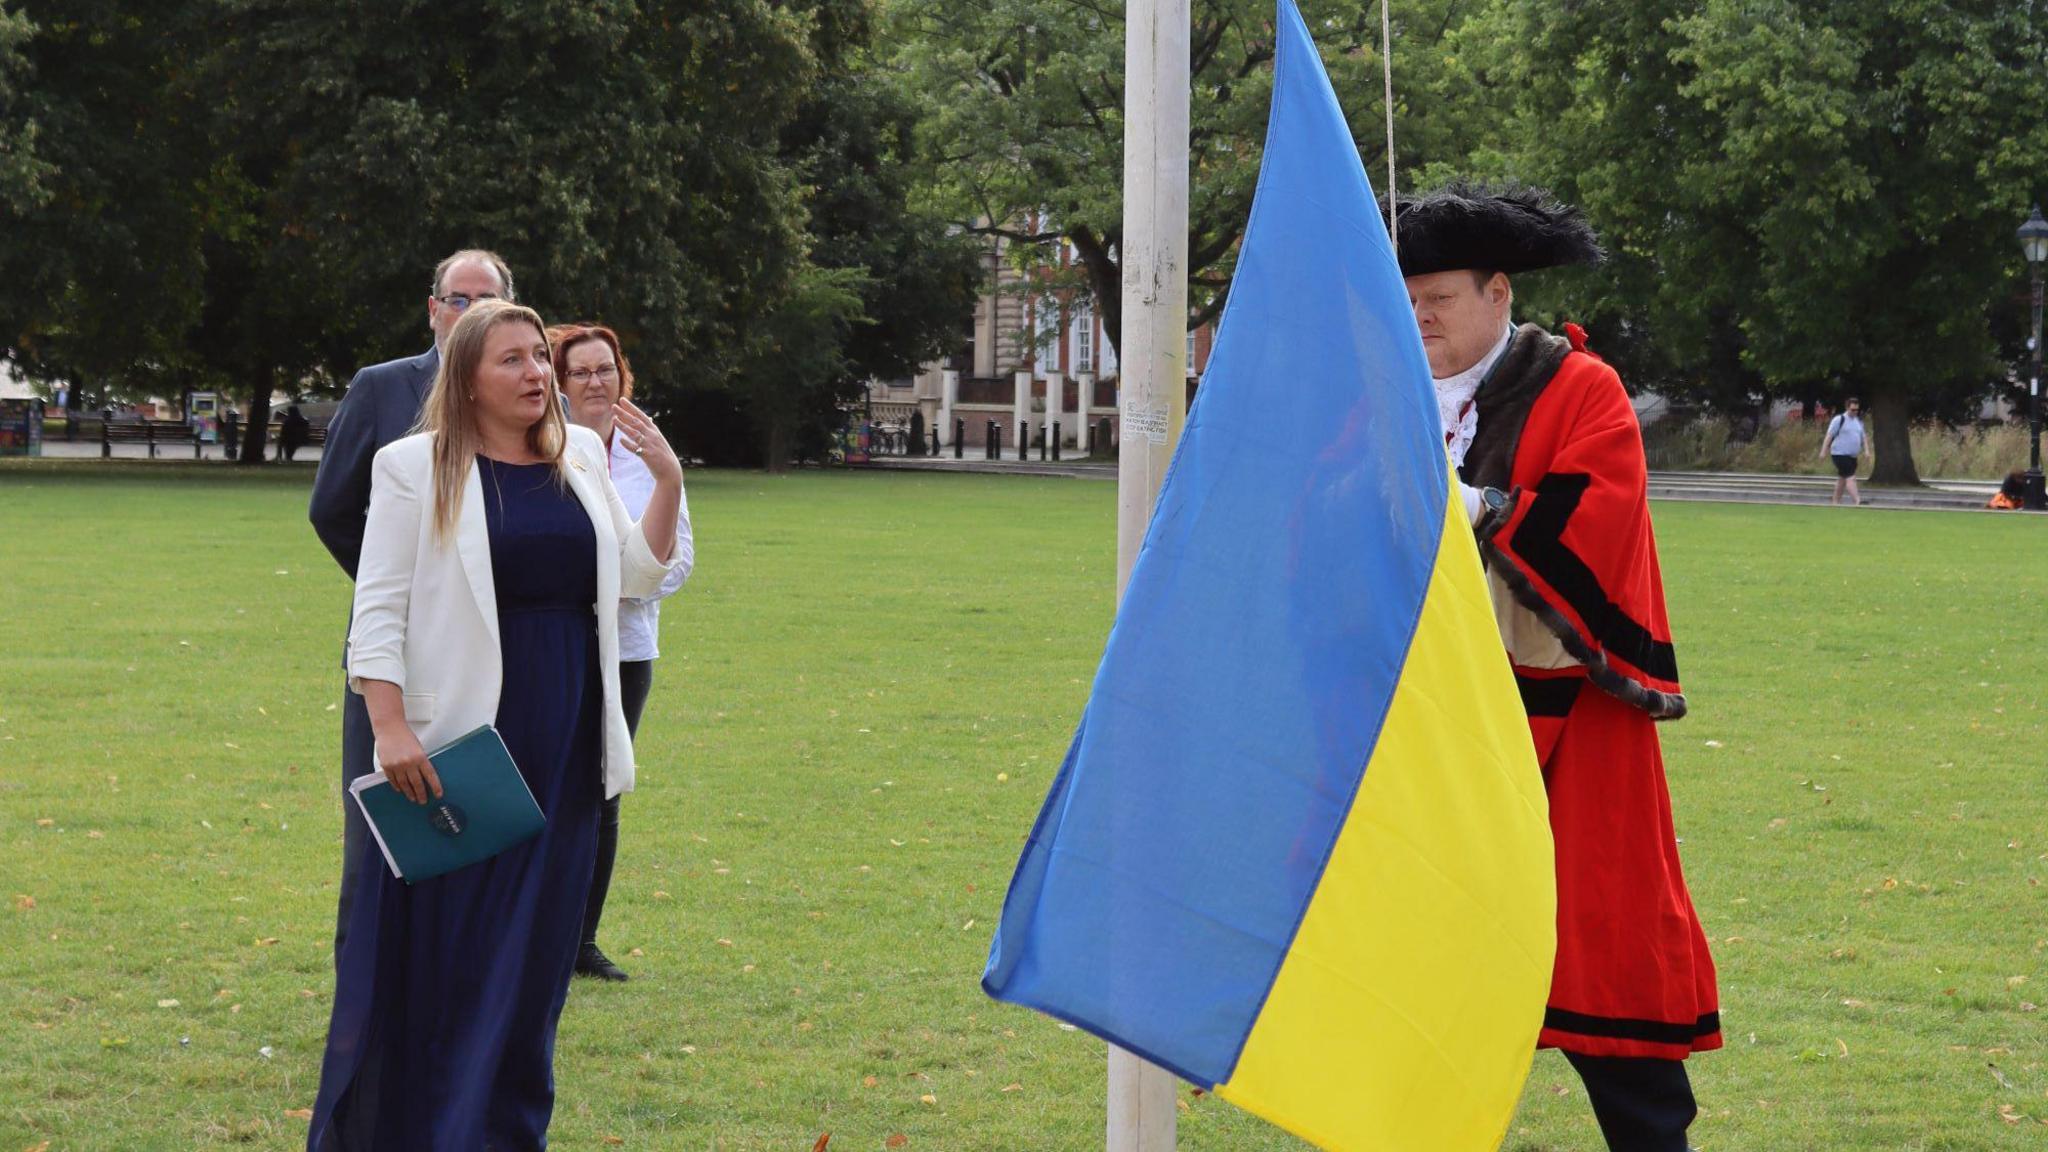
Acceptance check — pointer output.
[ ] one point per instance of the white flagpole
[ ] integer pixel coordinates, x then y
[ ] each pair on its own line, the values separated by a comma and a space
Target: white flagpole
1153, 393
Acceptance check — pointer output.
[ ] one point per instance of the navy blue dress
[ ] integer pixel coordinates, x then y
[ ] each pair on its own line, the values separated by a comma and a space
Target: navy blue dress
448, 991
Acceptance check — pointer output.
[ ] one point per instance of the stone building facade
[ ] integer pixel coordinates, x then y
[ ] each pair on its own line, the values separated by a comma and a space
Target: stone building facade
1034, 355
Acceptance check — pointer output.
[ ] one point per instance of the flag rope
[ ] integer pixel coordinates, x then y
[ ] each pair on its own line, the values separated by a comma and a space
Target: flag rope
1387, 72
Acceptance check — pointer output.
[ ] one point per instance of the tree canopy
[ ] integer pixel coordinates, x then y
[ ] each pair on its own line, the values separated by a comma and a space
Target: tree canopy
1803, 198
280, 177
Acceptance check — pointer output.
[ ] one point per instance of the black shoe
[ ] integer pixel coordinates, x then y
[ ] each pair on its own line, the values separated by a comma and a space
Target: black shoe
592, 962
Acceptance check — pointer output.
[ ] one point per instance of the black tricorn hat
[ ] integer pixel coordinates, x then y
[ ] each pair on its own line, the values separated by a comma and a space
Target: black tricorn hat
1512, 228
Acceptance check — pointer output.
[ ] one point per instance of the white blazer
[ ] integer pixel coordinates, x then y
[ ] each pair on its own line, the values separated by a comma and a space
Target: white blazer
426, 611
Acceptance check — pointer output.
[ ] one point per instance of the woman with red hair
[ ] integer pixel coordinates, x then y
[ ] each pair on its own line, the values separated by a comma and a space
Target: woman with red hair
594, 375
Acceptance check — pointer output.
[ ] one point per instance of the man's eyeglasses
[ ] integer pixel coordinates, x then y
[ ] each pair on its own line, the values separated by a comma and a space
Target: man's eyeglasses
607, 373
461, 303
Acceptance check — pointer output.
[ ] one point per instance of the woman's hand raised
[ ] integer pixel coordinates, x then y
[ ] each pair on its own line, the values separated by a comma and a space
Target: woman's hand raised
645, 440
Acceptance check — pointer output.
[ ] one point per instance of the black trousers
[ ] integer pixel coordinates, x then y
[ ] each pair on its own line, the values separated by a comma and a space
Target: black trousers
1643, 1105
636, 677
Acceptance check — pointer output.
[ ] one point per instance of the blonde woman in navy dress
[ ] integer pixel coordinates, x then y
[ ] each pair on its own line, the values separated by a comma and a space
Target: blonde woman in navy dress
493, 562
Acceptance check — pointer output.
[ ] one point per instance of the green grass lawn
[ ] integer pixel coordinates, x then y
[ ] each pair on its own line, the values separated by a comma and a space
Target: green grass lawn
864, 692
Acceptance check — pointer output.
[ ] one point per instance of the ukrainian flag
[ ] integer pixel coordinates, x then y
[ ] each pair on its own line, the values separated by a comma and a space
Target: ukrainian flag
1298, 852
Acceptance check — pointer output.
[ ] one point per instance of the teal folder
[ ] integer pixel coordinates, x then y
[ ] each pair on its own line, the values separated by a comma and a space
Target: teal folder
485, 807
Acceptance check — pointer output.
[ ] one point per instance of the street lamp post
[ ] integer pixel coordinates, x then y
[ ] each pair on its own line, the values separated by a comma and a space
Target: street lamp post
2033, 237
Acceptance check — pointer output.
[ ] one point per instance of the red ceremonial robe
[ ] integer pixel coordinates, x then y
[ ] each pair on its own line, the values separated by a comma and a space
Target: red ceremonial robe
1580, 603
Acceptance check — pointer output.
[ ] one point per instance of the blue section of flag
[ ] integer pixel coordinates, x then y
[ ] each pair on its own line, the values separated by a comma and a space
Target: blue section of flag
1261, 634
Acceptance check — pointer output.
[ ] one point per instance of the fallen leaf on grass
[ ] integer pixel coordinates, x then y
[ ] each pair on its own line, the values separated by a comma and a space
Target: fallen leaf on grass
896, 1140
43, 1147
966, 926
299, 1113
1013, 1087
265, 941
724, 943
636, 952
927, 1098
824, 1141
615, 1140
23, 902
1852, 1003
45, 822
867, 1081
2010, 1114
660, 895
167, 1003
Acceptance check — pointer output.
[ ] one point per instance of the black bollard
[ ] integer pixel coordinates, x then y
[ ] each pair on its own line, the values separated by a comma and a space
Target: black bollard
1023, 440
992, 445
1054, 436
1041, 444
959, 432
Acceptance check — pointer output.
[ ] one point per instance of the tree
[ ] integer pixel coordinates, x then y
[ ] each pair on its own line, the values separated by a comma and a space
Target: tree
21, 173
1025, 118
99, 277
1813, 196
796, 372
619, 155
883, 285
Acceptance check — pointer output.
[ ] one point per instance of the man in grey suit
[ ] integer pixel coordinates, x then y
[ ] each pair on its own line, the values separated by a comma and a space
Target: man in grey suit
382, 404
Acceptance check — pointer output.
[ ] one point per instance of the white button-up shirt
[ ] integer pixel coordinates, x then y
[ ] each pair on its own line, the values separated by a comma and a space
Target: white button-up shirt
640, 619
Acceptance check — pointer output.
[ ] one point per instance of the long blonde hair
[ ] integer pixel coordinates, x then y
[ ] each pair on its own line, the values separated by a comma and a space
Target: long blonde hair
450, 410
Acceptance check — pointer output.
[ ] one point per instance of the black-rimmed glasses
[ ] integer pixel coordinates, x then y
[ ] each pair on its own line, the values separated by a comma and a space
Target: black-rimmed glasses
461, 302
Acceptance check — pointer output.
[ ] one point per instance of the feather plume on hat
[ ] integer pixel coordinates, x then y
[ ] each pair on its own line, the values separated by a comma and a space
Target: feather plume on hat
1511, 228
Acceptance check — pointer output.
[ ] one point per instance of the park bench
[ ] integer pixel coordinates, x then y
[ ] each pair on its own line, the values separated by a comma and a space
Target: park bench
150, 432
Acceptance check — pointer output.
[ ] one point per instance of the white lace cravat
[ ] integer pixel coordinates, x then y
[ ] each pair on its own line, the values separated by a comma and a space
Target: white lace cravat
1455, 404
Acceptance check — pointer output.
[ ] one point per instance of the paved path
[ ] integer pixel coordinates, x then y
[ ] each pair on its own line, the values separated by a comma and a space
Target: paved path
89, 449
1730, 487
1733, 487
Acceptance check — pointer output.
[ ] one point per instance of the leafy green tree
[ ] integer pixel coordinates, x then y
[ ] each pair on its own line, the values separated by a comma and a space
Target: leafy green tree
100, 271
796, 372
21, 173
884, 285
620, 156
1814, 197
1025, 121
